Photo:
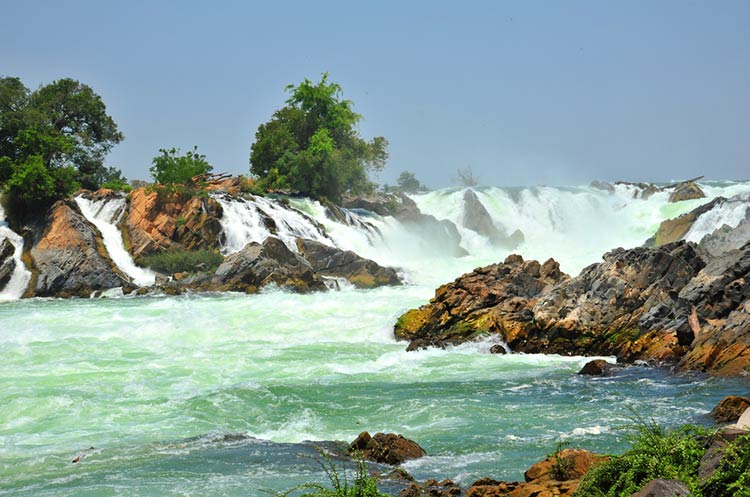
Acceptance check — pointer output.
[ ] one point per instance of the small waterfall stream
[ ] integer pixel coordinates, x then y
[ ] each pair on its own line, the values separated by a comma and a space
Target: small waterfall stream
20, 276
105, 215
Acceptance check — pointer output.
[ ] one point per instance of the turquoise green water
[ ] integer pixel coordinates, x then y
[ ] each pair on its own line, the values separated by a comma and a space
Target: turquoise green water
139, 378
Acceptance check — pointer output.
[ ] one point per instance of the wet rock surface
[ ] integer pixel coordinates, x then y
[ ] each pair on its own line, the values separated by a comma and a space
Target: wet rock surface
597, 367
664, 305
69, 258
476, 218
7, 262
330, 261
386, 448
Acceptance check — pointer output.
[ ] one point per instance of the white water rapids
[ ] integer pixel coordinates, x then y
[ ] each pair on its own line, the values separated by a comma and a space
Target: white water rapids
105, 214
20, 277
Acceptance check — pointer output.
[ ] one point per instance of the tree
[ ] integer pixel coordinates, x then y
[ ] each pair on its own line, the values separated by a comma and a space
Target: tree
466, 177
311, 145
52, 141
408, 182
170, 168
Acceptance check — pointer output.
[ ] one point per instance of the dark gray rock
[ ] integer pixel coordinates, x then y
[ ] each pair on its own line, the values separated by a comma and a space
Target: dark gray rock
7, 262
331, 261
715, 450
440, 235
597, 367
258, 265
476, 218
663, 488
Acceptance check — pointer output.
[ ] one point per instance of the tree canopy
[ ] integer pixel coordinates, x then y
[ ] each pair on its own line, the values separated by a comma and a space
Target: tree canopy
408, 182
312, 145
52, 141
171, 168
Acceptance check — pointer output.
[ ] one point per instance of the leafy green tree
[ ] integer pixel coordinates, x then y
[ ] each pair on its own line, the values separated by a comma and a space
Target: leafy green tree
312, 145
171, 168
408, 182
52, 141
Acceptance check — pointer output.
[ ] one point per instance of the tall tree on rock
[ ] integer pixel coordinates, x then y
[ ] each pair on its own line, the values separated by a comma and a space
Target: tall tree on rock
52, 141
311, 145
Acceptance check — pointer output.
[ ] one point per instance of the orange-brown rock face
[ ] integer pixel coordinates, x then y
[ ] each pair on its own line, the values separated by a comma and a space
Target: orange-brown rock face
161, 222
69, 256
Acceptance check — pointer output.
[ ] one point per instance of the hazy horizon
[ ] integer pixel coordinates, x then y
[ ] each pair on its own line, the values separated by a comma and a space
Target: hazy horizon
524, 93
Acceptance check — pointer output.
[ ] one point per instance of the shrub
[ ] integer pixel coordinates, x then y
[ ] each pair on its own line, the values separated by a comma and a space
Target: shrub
362, 485
654, 453
118, 185
171, 168
189, 261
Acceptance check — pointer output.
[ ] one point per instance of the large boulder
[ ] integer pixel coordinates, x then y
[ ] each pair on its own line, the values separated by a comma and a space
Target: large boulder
161, 221
69, 258
333, 262
386, 448
663, 488
673, 230
7, 262
719, 297
689, 190
476, 218
258, 265
567, 464
729, 409
495, 299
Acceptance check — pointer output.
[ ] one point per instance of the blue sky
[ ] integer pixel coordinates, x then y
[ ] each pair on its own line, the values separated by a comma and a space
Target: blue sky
524, 92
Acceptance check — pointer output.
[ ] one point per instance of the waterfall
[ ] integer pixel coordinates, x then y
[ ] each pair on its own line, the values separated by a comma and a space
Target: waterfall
253, 220
20, 276
730, 212
105, 214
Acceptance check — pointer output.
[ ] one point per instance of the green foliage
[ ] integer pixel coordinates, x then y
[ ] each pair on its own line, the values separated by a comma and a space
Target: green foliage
654, 453
171, 168
733, 475
118, 186
312, 146
362, 485
52, 141
189, 261
408, 182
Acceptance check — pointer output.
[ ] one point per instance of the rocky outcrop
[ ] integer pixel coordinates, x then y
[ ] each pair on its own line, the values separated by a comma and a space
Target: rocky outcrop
384, 204
492, 299
162, 221
438, 235
476, 218
673, 230
720, 301
688, 190
386, 448
69, 258
729, 409
7, 262
333, 262
258, 265
726, 238
664, 305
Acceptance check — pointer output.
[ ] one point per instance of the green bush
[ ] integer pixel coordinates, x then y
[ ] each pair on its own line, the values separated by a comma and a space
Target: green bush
183, 261
733, 475
654, 453
118, 185
171, 168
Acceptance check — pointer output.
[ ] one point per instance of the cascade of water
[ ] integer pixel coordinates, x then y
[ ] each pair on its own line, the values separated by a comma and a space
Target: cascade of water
20, 276
105, 215
245, 221
729, 212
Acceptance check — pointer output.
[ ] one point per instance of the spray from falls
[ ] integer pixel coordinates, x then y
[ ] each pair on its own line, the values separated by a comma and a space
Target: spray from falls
19, 275
105, 214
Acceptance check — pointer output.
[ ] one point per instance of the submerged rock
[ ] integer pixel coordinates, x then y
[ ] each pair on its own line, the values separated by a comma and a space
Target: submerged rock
476, 218
387, 448
69, 257
331, 261
597, 367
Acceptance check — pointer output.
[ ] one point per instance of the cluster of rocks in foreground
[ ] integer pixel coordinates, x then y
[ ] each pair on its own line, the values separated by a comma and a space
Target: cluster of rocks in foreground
665, 305
557, 474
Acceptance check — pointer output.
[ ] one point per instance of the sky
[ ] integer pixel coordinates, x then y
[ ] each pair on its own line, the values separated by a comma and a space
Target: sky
524, 93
